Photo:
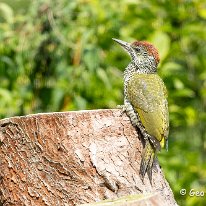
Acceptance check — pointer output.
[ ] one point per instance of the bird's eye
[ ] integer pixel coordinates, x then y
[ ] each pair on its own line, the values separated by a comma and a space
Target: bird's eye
137, 49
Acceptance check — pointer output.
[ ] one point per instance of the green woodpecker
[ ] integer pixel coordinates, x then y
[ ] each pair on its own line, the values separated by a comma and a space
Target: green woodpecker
145, 100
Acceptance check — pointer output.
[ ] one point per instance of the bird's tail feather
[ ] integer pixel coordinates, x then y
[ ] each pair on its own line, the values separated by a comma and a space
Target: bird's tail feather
147, 160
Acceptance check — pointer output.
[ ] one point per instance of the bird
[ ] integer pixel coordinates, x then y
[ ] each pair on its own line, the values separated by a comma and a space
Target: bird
145, 101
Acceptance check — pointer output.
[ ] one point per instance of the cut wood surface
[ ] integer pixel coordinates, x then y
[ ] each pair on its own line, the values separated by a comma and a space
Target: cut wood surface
73, 158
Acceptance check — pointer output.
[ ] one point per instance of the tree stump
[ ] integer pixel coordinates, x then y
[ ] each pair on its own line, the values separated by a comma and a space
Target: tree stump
73, 158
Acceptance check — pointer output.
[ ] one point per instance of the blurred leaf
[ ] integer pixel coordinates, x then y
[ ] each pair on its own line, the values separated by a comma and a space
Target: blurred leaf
202, 12
178, 84
80, 102
170, 68
7, 60
5, 95
191, 115
91, 59
6, 12
184, 93
162, 41
103, 76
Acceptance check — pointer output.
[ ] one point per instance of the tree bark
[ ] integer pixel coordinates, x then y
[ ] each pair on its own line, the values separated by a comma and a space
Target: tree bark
73, 158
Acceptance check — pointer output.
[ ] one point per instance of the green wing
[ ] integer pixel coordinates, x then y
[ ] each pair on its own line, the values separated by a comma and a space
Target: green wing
148, 96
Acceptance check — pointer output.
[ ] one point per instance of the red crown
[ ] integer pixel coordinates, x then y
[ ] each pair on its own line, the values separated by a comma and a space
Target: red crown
150, 49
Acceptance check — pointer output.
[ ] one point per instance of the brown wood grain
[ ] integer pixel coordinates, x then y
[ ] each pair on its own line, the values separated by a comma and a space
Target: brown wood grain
73, 158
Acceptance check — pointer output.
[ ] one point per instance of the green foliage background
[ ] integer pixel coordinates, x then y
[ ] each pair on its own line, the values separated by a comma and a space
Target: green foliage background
58, 55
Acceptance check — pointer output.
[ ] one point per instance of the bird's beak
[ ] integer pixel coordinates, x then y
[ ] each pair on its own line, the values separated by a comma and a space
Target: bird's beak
122, 43
126, 46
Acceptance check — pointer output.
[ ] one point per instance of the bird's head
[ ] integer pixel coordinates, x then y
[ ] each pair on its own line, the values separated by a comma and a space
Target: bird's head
144, 55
